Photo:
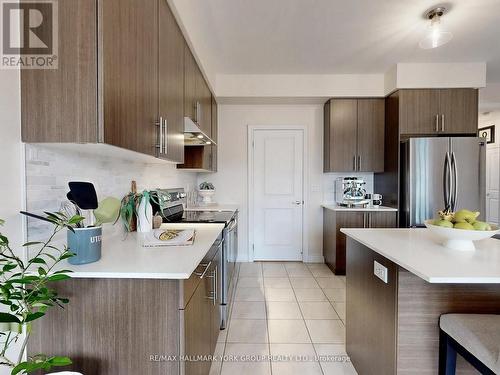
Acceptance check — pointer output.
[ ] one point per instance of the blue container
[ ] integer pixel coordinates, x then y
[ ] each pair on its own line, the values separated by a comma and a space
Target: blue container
86, 244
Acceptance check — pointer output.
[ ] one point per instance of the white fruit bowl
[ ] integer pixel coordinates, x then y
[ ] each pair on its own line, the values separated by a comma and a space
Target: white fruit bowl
461, 239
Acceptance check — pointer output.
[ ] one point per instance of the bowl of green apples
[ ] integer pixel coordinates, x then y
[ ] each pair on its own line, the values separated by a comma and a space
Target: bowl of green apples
458, 230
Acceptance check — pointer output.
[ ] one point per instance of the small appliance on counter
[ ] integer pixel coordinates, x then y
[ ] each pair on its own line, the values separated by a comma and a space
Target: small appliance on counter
351, 192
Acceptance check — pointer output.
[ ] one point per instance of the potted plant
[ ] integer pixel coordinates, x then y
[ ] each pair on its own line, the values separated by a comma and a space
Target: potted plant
207, 192
26, 295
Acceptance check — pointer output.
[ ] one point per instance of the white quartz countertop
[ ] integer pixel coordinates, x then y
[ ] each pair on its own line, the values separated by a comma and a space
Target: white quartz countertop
335, 207
420, 252
214, 207
124, 257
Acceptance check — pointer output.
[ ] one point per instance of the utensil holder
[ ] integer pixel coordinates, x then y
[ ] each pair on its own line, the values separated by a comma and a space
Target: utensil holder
86, 244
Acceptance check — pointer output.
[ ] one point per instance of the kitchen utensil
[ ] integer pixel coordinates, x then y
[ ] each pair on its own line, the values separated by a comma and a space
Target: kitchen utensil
460, 239
35, 216
85, 196
70, 209
107, 211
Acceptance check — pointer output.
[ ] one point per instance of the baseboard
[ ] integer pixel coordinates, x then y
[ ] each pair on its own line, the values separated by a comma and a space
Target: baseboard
314, 259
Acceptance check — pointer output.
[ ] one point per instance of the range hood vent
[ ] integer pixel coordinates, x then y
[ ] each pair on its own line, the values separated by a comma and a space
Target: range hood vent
194, 136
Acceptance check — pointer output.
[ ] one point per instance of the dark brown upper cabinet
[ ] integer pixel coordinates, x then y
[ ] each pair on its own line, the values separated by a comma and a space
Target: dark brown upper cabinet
438, 111
114, 83
354, 135
60, 105
171, 84
215, 135
203, 158
197, 95
130, 74
371, 119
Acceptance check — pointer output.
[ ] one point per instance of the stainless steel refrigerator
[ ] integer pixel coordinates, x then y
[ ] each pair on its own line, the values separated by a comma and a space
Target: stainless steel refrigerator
441, 173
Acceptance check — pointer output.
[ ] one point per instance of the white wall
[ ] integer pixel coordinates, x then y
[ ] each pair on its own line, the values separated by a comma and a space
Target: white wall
298, 85
231, 180
11, 162
491, 118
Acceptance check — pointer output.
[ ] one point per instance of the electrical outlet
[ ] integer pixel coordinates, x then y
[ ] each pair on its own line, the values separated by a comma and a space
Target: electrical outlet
380, 271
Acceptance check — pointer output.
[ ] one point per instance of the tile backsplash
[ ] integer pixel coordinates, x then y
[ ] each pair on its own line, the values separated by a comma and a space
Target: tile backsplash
329, 184
48, 171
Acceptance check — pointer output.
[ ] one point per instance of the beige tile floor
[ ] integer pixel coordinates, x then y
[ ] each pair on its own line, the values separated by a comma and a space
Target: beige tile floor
286, 318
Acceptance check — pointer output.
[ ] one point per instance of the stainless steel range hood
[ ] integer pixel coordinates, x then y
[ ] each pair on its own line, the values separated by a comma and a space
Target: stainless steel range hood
194, 136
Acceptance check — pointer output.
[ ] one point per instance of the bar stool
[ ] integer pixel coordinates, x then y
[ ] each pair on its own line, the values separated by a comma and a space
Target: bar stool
476, 337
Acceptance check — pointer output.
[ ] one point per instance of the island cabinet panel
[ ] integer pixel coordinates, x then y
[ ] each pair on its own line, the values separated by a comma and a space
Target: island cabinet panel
113, 326
420, 304
371, 308
393, 327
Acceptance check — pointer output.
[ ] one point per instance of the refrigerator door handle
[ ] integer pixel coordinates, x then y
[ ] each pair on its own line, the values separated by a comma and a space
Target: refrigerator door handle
446, 182
454, 181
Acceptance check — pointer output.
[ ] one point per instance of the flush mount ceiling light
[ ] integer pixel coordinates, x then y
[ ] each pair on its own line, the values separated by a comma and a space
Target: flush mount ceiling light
435, 36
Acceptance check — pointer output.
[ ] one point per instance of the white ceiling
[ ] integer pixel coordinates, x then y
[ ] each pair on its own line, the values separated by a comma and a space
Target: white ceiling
334, 36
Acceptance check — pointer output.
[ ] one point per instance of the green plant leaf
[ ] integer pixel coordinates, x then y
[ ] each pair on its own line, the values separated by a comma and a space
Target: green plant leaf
75, 219
38, 260
20, 367
67, 255
9, 267
8, 318
59, 361
33, 316
58, 276
32, 243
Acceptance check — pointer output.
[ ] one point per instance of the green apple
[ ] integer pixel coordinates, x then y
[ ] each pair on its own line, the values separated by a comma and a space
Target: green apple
481, 225
463, 225
443, 223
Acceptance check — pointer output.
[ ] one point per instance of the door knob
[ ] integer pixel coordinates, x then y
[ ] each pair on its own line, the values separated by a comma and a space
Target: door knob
297, 203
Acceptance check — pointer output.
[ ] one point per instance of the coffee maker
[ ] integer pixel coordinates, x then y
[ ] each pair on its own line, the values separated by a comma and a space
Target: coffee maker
351, 192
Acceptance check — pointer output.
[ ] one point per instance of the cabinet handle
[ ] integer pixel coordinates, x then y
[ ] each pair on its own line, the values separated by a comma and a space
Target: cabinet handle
202, 274
359, 163
442, 123
213, 293
197, 112
159, 146
165, 132
354, 163
437, 123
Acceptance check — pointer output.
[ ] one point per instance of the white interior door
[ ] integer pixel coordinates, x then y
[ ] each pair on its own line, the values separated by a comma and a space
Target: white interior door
278, 194
493, 184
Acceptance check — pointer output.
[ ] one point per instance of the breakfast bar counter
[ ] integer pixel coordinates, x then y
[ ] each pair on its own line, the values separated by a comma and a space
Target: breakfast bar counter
399, 282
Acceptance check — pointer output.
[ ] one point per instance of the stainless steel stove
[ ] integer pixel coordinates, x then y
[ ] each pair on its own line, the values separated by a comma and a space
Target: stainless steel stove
174, 212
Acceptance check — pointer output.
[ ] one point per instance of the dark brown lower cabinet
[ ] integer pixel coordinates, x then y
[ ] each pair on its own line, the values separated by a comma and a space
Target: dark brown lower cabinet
136, 326
334, 241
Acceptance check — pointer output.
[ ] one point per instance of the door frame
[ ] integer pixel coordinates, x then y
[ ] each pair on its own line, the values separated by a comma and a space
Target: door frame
251, 129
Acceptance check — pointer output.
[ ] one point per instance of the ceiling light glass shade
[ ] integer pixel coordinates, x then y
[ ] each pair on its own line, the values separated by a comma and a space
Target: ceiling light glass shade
435, 36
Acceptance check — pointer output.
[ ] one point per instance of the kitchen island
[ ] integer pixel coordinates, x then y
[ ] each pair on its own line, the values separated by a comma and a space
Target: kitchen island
392, 322
139, 310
